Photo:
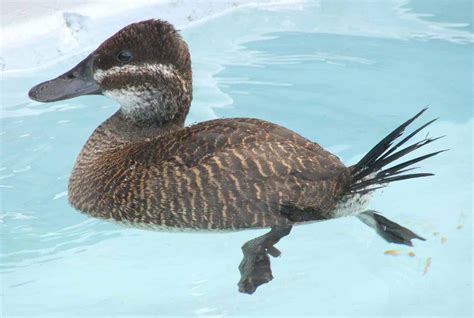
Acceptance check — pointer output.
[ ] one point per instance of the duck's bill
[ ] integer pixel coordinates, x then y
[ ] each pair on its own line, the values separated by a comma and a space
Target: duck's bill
76, 82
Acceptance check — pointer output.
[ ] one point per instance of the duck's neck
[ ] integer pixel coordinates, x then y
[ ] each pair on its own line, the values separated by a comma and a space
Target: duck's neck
152, 109
144, 114
162, 101
120, 129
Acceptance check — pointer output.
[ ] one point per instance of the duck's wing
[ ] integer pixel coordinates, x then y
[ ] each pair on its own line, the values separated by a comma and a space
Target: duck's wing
268, 173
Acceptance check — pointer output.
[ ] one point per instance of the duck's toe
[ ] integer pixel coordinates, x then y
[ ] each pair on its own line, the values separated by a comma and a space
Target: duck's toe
255, 271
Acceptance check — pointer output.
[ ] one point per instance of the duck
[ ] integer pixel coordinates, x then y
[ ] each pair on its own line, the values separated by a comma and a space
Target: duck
143, 167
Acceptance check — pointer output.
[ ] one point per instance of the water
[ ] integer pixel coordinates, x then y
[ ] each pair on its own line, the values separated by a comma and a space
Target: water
340, 73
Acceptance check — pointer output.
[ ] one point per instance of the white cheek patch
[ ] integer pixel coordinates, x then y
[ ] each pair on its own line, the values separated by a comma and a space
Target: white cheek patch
134, 100
145, 91
145, 68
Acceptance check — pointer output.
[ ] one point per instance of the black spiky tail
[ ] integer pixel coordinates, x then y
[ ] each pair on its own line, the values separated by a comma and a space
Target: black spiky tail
371, 172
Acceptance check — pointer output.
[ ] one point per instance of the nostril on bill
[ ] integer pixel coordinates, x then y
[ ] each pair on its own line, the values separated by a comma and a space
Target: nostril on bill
72, 75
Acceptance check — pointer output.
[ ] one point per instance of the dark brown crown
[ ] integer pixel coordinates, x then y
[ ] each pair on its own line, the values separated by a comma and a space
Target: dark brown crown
150, 41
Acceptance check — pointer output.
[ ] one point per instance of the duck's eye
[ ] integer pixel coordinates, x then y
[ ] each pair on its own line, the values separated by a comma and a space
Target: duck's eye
124, 56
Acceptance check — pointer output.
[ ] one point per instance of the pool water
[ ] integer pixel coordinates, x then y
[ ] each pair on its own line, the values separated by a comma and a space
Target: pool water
342, 74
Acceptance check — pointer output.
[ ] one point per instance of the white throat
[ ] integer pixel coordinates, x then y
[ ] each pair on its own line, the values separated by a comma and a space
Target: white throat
147, 99
134, 100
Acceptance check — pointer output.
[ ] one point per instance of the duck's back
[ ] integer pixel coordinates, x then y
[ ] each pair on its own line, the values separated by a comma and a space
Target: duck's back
222, 174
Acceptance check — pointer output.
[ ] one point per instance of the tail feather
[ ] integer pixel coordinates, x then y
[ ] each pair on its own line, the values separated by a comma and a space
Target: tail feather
379, 181
368, 174
400, 166
382, 162
408, 138
384, 144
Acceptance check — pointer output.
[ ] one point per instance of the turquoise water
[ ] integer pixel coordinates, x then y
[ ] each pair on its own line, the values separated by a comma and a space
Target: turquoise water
340, 84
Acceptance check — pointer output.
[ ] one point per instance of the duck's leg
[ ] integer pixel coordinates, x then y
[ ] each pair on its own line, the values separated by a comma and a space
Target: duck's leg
389, 230
255, 266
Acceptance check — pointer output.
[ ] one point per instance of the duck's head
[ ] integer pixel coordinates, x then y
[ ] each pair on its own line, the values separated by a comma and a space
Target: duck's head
145, 67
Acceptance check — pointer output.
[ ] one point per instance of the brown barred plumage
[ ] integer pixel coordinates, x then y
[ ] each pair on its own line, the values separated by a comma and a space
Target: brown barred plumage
222, 174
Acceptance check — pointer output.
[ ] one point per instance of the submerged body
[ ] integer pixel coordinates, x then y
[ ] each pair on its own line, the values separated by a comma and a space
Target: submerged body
222, 174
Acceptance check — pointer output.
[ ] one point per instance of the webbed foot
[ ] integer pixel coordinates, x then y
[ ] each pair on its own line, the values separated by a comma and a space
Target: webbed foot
255, 267
390, 231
